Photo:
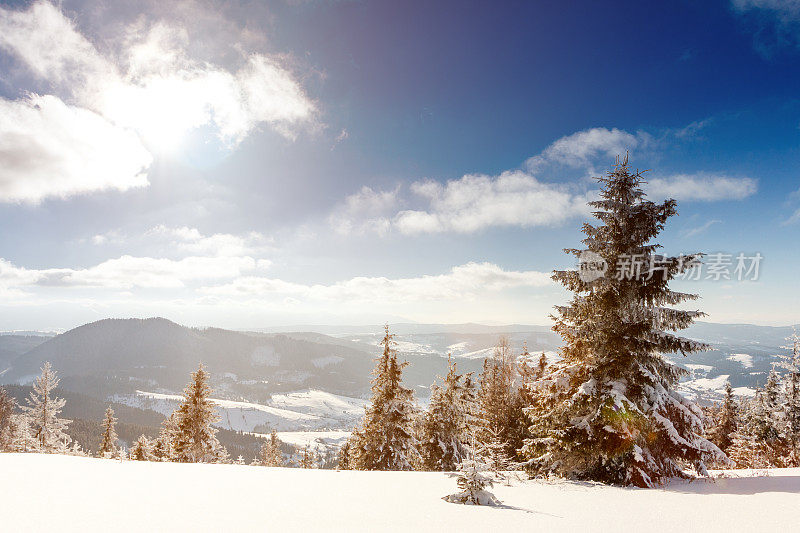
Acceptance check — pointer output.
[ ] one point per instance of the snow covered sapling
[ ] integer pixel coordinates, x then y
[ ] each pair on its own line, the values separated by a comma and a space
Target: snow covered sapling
608, 411
42, 412
108, 440
473, 479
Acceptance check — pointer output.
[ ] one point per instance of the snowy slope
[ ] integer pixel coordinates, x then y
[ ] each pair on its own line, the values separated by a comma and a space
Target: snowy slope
101, 495
285, 412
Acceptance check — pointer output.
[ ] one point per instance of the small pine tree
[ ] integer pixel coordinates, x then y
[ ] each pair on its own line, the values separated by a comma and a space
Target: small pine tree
142, 450
195, 440
270, 454
42, 412
473, 480
385, 441
108, 440
239, 460
608, 410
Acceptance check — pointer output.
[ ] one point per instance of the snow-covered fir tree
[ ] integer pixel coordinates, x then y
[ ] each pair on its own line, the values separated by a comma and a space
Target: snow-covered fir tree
757, 441
443, 435
142, 450
500, 419
239, 460
308, 459
7, 405
42, 412
385, 441
270, 453
791, 395
343, 460
723, 430
608, 410
108, 440
195, 439
164, 447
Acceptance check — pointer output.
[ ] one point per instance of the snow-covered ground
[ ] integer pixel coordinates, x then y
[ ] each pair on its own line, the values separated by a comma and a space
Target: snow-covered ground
62, 493
303, 410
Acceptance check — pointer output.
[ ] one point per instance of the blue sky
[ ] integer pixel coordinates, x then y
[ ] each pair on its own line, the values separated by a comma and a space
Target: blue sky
250, 164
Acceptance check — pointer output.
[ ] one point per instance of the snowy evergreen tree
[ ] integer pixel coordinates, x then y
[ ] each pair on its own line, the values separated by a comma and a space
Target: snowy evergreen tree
444, 425
791, 394
608, 410
195, 439
108, 440
385, 441
343, 462
164, 447
722, 432
7, 404
239, 460
270, 453
758, 442
42, 414
500, 417
309, 457
142, 450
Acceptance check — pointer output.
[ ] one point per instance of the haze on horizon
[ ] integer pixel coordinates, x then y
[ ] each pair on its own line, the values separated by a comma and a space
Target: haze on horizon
248, 165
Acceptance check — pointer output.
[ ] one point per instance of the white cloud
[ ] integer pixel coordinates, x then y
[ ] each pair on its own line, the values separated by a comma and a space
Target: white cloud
517, 198
128, 272
462, 282
581, 149
365, 211
51, 149
701, 187
477, 202
153, 86
190, 240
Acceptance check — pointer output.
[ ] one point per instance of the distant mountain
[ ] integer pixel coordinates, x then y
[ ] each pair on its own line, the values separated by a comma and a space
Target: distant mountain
13, 346
159, 354
120, 356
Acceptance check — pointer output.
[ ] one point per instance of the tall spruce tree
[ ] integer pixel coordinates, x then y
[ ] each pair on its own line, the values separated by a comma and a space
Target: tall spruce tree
195, 439
108, 440
384, 441
608, 410
42, 412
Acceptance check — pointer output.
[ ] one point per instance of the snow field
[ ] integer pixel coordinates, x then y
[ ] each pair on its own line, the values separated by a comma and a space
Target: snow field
64, 493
